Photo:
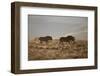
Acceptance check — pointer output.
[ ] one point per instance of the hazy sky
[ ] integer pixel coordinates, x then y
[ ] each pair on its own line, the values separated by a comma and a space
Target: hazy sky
57, 26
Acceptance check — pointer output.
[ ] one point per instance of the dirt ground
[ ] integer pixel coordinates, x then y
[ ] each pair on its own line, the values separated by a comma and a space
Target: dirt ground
56, 50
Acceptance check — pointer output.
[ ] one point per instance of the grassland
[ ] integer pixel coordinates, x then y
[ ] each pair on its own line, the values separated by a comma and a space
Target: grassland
55, 50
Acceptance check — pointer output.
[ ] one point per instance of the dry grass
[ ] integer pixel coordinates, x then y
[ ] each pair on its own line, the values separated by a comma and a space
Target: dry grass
54, 50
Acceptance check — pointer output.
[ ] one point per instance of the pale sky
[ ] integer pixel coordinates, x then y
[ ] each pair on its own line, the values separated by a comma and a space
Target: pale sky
57, 26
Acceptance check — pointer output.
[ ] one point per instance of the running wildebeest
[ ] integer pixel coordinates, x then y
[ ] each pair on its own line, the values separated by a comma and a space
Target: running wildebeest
45, 39
67, 39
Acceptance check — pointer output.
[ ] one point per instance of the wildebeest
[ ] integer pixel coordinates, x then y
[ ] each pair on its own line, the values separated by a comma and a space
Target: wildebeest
67, 39
45, 39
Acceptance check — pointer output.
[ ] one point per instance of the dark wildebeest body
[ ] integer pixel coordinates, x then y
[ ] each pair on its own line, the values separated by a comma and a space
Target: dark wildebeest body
67, 39
45, 39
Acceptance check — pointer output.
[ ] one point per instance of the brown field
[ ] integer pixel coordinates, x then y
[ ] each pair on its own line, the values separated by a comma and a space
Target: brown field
54, 50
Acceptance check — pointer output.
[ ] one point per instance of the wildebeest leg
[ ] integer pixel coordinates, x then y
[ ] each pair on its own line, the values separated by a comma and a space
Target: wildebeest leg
47, 45
61, 46
70, 44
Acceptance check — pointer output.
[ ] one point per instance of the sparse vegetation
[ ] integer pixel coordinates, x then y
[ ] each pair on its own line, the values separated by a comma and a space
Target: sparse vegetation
55, 50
